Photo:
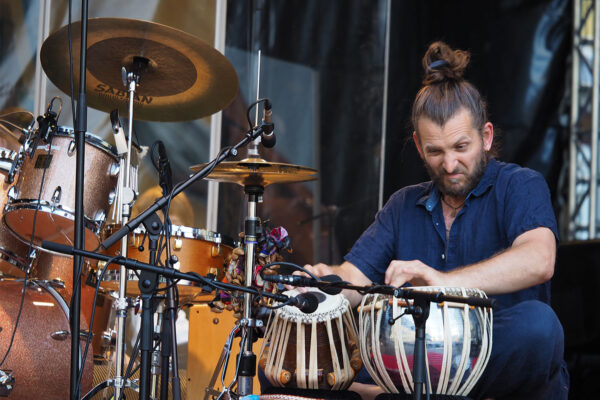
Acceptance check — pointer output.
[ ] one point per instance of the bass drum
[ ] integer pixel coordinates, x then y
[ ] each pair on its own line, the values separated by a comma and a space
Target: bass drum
40, 354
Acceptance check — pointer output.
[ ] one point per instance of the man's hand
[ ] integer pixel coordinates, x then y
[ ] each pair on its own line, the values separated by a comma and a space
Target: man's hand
414, 272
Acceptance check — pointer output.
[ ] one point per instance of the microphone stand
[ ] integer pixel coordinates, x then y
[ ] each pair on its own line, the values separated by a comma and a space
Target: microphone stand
80, 130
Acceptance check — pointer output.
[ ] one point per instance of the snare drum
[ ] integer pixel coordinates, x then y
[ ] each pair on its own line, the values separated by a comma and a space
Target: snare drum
197, 250
41, 351
458, 342
13, 252
56, 208
312, 351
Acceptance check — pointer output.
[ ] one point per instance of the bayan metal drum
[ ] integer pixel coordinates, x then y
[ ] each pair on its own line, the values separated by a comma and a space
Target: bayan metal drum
39, 356
13, 252
56, 164
458, 342
197, 250
312, 351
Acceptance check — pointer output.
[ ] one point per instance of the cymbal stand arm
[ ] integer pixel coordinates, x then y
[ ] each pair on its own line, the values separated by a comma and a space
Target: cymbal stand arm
127, 200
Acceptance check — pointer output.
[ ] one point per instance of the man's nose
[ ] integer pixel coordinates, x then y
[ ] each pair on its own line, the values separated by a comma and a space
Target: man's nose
450, 163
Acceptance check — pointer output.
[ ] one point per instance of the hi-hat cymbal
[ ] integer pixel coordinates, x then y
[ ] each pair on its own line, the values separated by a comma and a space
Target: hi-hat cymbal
258, 172
184, 78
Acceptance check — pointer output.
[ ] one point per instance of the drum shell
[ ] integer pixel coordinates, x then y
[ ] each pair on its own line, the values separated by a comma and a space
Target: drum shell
464, 354
197, 250
281, 354
39, 358
100, 176
58, 271
13, 252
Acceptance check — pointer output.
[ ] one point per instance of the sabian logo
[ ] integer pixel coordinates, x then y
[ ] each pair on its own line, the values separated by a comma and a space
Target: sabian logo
109, 91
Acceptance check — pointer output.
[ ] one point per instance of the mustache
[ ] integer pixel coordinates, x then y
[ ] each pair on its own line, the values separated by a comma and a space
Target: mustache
457, 170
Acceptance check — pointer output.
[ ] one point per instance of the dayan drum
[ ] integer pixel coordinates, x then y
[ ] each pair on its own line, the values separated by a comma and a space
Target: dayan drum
312, 351
41, 351
56, 207
197, 250
13, 252
458, 342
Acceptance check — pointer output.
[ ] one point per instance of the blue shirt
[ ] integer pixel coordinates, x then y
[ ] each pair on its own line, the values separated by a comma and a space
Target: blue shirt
508, 201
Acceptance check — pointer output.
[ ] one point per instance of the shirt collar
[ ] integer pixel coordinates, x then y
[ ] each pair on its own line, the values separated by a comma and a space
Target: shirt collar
431, 195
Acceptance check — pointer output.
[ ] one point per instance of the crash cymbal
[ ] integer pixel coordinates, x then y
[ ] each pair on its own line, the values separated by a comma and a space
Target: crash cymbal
258, 172
14, 126
184, 77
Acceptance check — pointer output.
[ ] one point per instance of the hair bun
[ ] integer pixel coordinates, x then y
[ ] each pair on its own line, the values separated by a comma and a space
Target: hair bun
441, 63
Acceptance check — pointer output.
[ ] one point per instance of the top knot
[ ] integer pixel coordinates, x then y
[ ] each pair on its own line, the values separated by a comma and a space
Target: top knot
441, 63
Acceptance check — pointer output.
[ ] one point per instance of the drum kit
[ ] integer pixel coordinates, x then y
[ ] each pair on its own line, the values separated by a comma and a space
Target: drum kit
155, 72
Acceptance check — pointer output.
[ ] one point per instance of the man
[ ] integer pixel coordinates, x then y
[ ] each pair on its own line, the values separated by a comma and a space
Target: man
479, 223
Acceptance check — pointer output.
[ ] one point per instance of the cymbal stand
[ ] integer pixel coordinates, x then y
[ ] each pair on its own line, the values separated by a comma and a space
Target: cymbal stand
130, 80
247, 367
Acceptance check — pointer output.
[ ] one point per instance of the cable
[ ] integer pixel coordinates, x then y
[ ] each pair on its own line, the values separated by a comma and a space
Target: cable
91, 323
28, 259
71, 74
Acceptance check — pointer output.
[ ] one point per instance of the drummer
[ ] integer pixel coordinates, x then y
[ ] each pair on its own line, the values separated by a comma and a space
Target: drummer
478, 223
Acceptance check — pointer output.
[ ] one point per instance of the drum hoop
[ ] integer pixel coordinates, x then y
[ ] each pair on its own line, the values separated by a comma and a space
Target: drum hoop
90, 138
44, 206
186, 232
12, 258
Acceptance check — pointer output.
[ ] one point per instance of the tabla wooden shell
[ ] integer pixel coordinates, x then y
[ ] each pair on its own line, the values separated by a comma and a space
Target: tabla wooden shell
312, 351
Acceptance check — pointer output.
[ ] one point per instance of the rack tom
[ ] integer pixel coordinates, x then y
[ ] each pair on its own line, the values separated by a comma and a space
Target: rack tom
54, 166
197, 250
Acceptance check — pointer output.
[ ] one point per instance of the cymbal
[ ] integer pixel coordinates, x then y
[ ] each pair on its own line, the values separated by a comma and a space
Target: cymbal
258, 172
14, 126
184, 78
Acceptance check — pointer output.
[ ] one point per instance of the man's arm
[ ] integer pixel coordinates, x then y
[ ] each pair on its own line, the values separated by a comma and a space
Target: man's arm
528, 262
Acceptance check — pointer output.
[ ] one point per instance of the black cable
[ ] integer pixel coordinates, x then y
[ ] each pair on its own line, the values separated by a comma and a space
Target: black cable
91, 322
289, 264
29, 251
134, 352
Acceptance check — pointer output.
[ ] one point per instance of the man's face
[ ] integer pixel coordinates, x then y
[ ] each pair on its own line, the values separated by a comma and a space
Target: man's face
454, 154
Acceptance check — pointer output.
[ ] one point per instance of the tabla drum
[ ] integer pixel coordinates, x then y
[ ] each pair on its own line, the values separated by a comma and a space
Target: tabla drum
197, 250
40, 354
13, 252
312, 351
458, 341
56, 207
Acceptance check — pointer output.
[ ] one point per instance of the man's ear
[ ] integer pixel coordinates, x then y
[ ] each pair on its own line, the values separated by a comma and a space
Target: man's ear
416, 140
488, 136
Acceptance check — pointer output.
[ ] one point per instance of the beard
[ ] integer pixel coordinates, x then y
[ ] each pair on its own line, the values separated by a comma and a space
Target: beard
454, 187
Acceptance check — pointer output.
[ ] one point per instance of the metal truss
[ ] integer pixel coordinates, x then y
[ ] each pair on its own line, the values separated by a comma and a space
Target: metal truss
583, 125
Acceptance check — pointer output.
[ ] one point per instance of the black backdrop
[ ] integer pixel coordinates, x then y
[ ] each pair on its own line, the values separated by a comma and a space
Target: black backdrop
519, 57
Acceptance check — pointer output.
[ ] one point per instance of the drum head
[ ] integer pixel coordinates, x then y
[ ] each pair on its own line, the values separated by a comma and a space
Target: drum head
330, 306
54, 225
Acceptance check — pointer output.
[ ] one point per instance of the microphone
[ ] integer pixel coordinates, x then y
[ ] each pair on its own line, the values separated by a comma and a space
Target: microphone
295, 280
305, 302
268, 137
164, 169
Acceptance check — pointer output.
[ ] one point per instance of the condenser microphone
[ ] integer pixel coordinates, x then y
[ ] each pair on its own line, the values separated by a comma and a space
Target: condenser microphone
268, 136
303, 281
